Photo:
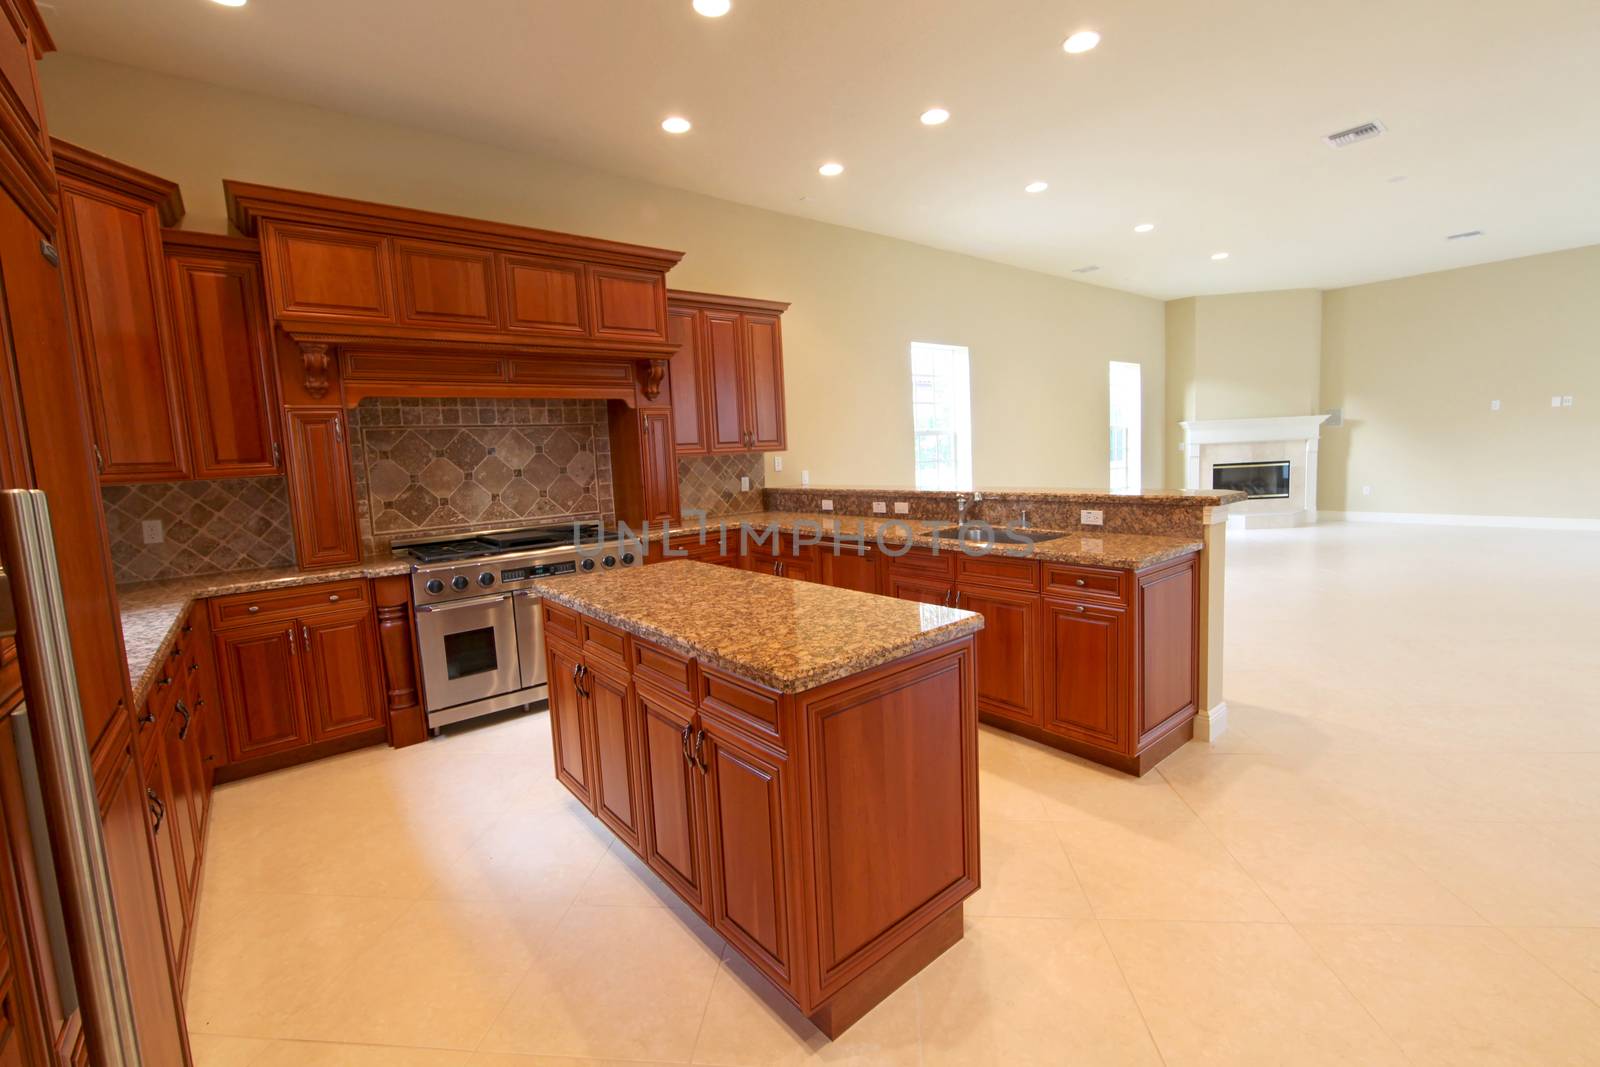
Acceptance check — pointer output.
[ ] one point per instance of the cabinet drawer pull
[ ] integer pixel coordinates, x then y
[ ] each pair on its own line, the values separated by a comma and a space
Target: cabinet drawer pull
164, 681
1079, 581
157, 808
147, 716
1080, 609
684, 738
186, 629
193, 667
699, 750
188, 717
334, 597
253, 608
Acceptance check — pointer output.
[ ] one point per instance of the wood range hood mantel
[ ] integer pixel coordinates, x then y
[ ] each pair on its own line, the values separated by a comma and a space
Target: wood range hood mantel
402, 302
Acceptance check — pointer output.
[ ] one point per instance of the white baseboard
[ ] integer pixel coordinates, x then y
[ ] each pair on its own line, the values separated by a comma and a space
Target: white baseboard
1423, 518
1212, 724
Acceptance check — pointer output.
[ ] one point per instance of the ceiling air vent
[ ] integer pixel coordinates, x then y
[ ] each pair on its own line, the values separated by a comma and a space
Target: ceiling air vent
1090, 269
1345, 138
1463, 235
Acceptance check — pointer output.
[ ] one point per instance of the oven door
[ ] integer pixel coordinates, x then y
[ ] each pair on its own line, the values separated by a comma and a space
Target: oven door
530, 638
469, 650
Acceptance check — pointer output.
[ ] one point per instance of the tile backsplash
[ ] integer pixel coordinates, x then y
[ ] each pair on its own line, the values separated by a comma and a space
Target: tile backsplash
431, 466
711, 483
233, 524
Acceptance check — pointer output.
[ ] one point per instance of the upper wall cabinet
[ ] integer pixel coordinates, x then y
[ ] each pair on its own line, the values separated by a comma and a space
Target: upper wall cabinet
111, 219
725, 379
225, 340
25, 171
340, 270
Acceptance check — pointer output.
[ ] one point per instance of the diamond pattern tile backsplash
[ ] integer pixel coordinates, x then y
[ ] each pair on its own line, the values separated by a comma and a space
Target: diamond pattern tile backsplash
711, 483
425, 466
233, 524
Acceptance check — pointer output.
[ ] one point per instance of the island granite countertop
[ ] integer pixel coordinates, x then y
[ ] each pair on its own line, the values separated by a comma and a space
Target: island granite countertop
784, 634
151, 611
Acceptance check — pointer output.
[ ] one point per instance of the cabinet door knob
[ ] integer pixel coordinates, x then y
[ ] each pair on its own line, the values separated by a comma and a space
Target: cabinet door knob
253, 608
1079, 581
333, 596
1079, 609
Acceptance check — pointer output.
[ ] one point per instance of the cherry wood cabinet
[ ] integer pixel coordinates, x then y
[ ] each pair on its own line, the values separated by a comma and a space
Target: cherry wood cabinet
322, 493
1088, 665
544, 295
785, 559
644, 464
830, 835
261, 691
225, 341
727, 376
343, 676
852, 568
1009, 650
26, 173
111, 219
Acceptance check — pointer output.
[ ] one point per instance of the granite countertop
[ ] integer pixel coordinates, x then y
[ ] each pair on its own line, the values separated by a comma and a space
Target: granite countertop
1177, 497
151, 611
784, 634
1129, 551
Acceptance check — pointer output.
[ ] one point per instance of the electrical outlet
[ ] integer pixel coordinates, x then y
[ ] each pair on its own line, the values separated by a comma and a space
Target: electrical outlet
805, 478
1566, 401
777, 463
902, 508
827, 505
1366, 490
1092, 518
1494, 405
880, 508
1555, 401
153, 532
744, 483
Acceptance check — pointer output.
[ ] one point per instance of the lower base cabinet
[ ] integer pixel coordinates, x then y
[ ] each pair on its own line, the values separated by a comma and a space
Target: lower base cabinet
673, 796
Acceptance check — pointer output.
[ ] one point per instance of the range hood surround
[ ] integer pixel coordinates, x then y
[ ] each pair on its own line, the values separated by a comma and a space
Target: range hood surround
391, 301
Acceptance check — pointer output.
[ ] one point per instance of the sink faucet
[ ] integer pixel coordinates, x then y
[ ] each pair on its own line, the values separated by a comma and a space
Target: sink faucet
1024, 518
961, 509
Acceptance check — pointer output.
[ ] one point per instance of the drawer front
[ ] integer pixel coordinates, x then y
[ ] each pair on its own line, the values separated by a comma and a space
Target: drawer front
997, 572
560, 624
672, 672
242, 608
924, 561
740, 704
1095, 584
602, 641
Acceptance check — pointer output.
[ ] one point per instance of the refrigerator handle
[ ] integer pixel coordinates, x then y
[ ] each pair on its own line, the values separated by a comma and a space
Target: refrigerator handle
36, 613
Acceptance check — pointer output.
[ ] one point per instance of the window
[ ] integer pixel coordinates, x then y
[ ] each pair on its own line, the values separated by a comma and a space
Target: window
1127, 425
941, 415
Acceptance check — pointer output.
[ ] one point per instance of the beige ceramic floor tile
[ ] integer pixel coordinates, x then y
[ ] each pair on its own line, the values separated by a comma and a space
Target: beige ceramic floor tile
512, 1059
629, 983
217, 1050
543, 856
1572, 952
1162, 870
1025, 871
1227, 786
318, 1054
748, 1023
1336, 871
1461, 995
1227, 994
621, 879
1021, 992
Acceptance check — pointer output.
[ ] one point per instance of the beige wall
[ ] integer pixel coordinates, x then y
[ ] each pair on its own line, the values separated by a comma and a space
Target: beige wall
1415, 362
1040, 344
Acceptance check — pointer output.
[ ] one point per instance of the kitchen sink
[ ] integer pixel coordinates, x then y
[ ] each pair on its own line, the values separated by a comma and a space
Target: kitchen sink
998, 536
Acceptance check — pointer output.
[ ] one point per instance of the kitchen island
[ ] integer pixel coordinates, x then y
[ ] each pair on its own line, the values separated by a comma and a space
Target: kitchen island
798, 763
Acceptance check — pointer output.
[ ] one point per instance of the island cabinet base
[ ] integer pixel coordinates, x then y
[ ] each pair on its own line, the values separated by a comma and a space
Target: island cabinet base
829, 835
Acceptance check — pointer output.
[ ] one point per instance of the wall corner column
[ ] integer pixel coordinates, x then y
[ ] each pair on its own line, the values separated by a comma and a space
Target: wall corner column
402, 692
1212, 720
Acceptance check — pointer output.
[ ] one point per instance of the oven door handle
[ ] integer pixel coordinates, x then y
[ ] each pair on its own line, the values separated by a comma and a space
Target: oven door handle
475, 602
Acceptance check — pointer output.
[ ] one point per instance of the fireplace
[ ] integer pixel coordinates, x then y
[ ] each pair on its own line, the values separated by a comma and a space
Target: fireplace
1260, 481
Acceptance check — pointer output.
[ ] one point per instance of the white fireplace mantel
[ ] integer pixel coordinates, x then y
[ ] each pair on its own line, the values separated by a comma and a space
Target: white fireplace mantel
1206, 440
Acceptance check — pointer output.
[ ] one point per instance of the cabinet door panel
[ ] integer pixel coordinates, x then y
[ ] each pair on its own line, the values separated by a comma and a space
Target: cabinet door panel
744, 821
725, 394
1088, 652
113, 253
660, 474
321, 488
1007, 651
570, 734
628, 305
161, 807
764, 383
686, 378
673, 797
544, 295
343, 688
446, 286
180, 801
260, 668
615, 751
326, 273
921, 590
851, 569
226, 344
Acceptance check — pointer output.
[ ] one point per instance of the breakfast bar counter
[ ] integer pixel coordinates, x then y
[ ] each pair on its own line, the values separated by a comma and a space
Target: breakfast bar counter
797, 762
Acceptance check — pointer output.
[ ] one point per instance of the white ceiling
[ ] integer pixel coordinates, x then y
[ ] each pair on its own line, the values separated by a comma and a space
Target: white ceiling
1202, 116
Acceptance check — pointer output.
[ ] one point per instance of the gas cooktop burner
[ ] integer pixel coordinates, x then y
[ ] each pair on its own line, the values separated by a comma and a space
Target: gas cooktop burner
497, 542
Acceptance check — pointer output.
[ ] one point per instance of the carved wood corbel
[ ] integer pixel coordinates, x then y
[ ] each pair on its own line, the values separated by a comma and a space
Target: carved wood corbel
650, 375
314, 355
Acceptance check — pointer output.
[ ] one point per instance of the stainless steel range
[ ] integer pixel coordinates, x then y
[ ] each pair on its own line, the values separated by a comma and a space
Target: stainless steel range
479, 628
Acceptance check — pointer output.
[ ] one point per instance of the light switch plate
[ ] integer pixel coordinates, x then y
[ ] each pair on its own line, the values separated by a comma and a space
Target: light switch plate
1092, 518
805, 477
153, 532
827, 505
879, 508
1566, 401
744, 483
1555, 401
777, 463
1494, 405
902, 508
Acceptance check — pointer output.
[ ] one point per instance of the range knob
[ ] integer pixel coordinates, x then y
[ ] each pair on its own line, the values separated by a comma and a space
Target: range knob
610, 561
434, 586
486, 579
627, 559
459, 582
587, 564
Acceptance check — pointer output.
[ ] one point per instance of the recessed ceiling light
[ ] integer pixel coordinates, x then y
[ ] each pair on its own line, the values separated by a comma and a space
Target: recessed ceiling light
1463, 235
1219, 255
1090, 269
1035, 187
230, 3
713, 9
935, 116
1081, 41
1397, 179
676, 124
1144, 227
831, 170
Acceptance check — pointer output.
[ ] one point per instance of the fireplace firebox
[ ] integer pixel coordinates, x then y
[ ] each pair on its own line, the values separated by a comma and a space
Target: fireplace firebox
1259, 481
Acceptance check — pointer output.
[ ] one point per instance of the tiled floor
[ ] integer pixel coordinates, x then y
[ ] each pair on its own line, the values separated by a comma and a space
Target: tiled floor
1392, 857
